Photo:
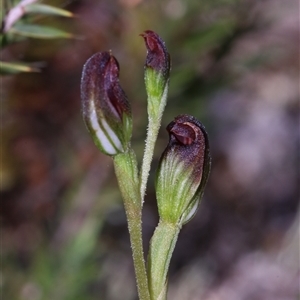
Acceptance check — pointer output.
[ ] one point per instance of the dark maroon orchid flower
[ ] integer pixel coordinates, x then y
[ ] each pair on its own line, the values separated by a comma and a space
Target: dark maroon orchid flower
157, 65
183, 170
106, 110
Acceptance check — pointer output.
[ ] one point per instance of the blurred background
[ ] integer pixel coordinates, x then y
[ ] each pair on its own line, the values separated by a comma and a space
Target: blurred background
235, 67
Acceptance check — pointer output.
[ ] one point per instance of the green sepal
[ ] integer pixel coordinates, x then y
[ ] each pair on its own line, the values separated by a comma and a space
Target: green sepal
174, 188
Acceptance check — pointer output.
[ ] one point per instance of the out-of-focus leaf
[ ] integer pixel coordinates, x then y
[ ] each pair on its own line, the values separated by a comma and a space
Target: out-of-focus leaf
47, 10
211, 35
39, 31
15, 67
15, 13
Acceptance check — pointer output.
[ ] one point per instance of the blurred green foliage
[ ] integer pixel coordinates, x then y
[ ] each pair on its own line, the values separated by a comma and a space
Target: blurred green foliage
18, 20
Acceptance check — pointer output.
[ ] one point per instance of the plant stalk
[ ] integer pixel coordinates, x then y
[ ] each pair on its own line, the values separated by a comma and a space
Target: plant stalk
127, 175
155, 109
152, 132
161, 249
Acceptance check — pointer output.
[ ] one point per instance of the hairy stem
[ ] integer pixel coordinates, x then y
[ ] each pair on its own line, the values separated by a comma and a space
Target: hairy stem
156, 108
152, 132
127, 175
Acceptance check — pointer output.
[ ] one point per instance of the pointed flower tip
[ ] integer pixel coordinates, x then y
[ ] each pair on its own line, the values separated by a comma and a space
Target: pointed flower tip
105, 107
183, 170
158, 57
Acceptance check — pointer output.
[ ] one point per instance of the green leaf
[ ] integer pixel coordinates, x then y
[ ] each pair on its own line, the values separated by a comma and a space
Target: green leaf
47, 10
39, 31
14, 68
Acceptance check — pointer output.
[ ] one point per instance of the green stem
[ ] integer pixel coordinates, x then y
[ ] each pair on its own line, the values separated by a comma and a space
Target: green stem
135, 229
127, 175
152, 132
156, 106
161, 249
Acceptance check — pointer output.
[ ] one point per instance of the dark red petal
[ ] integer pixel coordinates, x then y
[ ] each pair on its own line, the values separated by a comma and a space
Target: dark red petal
112, 88
100, 81
189, 141
184, 133
158, 57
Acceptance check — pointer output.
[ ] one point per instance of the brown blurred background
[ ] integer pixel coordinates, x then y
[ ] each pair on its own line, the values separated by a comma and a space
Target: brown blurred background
235, 67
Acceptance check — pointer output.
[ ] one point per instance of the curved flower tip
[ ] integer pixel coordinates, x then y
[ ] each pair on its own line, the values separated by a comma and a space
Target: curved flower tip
106, 110
183, 170
158, 57
157, 68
